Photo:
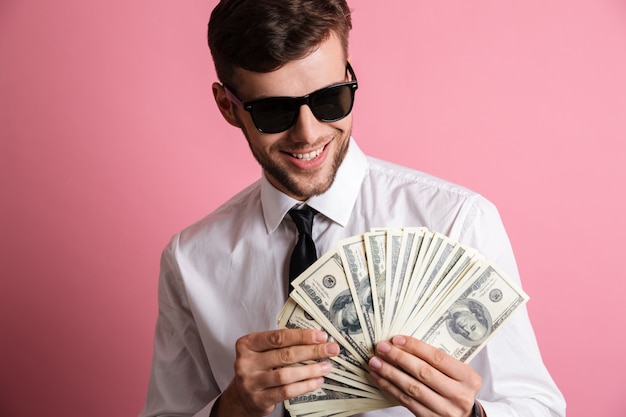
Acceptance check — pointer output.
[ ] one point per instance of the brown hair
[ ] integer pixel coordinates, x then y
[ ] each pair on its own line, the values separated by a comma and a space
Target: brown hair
263, 35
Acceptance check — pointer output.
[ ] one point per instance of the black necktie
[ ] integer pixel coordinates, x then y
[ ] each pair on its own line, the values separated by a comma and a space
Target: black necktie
304, 253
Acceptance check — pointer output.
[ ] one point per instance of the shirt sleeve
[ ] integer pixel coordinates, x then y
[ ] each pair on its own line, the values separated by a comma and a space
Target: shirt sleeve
181, 382
516, 382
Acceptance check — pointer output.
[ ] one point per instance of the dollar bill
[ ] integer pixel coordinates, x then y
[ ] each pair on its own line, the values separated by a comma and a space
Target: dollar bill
352, 252
323, 291
346, 368
331, 402
459, 269
470, 318
375, 244
394, 281
413, 240
435, 277
394, 243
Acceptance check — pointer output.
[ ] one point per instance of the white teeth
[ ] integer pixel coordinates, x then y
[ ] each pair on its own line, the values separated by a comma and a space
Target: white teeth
308, 156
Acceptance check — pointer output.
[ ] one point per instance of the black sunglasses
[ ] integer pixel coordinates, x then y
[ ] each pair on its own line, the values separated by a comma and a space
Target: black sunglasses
277, 114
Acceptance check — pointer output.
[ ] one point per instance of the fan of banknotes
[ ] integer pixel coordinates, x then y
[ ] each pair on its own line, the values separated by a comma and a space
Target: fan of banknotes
409, 281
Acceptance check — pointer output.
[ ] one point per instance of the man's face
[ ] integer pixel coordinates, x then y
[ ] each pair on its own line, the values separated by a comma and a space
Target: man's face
303, 160
349, 317
473, 329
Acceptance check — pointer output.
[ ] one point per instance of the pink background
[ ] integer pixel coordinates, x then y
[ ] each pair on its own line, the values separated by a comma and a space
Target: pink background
110, 143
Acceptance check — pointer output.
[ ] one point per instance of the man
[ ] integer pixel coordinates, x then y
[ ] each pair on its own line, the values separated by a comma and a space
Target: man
223, 280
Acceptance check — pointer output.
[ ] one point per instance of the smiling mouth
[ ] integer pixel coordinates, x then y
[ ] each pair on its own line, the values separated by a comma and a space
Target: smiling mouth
310, 155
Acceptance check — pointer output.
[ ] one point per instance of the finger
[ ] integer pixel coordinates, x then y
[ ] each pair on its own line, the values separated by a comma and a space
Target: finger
469, 381
297, 373
277, 385
412, 365
409, 391
281, 393
248, 362
295, 354
273, 339
414, 404
266, 387
436, 358
267, 394
454, 383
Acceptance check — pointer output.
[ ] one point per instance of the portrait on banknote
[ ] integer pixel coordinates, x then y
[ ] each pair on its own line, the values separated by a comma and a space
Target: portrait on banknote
469, 322
343, 314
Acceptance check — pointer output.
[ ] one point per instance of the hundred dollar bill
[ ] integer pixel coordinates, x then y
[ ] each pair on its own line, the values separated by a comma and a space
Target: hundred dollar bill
405, 267
474, 313
449, 252
352, 252
405, 263
332, 404
448, 281
447, 284
348, 388
409, 281
346, 368
415, 281
322, 290
405, 300
323, 413
394, 242
438, 244
430, 245
314, 400
375, 244
332, 392
436, 276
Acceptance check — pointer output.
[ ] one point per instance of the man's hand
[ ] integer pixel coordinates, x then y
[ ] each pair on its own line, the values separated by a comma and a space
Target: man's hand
424, 379
263, 376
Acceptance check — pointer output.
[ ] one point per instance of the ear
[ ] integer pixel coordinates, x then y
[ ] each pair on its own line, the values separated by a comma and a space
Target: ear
226, 107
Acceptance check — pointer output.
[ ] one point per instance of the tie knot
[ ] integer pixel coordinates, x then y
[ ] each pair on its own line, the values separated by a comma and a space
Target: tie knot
303, 218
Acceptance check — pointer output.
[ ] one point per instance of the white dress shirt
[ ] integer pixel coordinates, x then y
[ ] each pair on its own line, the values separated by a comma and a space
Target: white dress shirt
225, 277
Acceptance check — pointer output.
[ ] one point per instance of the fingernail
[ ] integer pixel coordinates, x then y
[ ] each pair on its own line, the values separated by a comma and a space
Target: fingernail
320, 337
399, 340
332, 349
375, 363
383, 347
326, 367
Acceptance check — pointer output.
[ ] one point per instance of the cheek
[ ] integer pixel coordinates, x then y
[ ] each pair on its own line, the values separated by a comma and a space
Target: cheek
344, 125
263, 142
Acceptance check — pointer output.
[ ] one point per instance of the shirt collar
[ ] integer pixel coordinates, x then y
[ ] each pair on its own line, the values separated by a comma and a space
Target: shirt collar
336, 203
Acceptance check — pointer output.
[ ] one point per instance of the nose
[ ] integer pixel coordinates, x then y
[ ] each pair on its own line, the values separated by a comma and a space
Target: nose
307, 128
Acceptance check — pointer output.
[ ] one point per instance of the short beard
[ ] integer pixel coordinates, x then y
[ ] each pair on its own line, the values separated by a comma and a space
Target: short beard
304, 191
290, 184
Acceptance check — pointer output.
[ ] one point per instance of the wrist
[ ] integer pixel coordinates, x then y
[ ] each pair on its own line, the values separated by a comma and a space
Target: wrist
477, 410
230, 404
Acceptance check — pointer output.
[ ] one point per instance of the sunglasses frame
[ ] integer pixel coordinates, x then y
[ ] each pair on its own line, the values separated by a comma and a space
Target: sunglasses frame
299, 101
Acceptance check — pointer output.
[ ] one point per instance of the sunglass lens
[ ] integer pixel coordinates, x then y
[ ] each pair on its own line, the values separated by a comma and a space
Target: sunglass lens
274, 115
333, 104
